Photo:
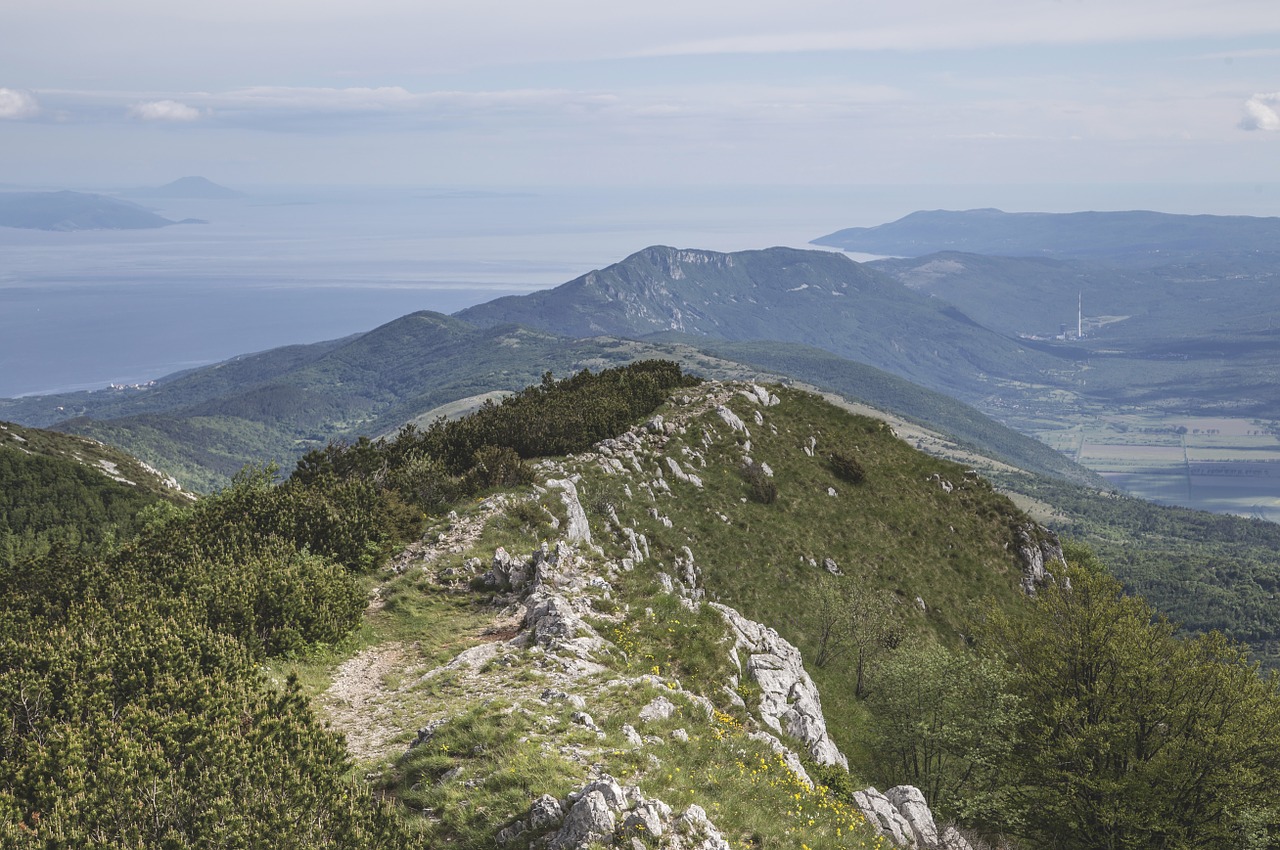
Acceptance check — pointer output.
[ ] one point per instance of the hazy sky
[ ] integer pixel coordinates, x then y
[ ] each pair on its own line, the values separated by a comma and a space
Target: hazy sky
469, 92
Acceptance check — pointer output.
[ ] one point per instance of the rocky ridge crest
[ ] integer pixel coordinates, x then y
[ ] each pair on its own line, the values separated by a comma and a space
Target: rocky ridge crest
557, 657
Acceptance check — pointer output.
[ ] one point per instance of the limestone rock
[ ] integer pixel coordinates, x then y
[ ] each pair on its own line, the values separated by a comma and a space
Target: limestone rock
681, 475
660, 708
731, 419
578, 530
1038, 549
910, 803
953, 840
545, 813
695, 825
789, 758
507, 572
789, 701
589, 820
646, 819
606, 813
886, 819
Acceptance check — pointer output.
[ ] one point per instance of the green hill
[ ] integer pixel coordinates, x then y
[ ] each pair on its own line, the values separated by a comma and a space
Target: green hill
634, 609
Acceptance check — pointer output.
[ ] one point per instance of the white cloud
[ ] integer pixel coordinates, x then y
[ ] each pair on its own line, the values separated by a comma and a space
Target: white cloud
1262, 112
16, 105
164, 110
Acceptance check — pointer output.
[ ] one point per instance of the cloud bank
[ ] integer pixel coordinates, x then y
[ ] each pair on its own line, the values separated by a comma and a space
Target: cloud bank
164, 110
1262, 112
16, 105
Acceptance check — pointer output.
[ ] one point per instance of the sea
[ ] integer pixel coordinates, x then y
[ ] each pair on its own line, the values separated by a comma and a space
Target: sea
286, 265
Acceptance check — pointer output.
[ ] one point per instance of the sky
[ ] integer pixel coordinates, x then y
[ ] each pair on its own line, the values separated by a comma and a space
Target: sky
662, 93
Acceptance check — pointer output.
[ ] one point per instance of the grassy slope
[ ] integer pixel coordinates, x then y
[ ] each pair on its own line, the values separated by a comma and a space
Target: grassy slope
897, 530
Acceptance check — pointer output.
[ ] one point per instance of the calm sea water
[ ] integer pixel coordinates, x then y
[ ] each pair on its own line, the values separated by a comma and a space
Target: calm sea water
81, 310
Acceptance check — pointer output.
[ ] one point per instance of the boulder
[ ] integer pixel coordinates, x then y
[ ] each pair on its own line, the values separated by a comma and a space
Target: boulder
659, 709
910, 803
731, 419
545, 813
953, 840
589, 820
886, 819
578, 530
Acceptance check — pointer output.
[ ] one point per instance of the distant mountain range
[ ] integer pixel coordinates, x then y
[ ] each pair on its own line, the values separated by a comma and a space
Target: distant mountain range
187, 187
76, 211
1133, 237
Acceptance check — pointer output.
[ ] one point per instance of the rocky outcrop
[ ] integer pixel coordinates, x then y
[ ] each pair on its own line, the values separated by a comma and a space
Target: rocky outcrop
1038, 550
789, 701
603, 812
578, 530
902, 815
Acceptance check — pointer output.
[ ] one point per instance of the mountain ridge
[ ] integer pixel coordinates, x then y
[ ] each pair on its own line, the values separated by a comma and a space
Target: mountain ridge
1132, 237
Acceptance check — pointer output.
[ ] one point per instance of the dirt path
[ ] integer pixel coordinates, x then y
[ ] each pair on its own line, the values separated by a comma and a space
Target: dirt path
355, 703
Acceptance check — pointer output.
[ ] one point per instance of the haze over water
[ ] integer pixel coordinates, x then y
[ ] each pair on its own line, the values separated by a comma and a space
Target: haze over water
82, 310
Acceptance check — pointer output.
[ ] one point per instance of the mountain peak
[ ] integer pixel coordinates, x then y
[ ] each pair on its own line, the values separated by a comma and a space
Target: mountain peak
192, 187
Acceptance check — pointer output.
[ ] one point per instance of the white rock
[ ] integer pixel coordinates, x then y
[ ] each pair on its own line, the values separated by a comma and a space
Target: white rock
910, 803
789, 701
578, 529
589, 820
887, 820
659, 709
731, 419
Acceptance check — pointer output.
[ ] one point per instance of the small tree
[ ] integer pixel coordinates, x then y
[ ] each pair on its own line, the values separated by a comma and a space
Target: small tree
855, 620
946, 722
1135, 737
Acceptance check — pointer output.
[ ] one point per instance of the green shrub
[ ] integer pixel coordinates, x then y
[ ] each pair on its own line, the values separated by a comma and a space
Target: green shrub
763, 489
846, 466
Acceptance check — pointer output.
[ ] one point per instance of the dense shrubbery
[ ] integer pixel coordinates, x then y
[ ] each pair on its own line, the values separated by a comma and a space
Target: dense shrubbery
50, 501
429, 469
132, 710
1088, 723
137, 727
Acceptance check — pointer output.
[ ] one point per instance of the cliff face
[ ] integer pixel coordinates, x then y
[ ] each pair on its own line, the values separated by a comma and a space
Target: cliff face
577, 665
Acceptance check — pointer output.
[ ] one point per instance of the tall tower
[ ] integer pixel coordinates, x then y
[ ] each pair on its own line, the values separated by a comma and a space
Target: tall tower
1080, 315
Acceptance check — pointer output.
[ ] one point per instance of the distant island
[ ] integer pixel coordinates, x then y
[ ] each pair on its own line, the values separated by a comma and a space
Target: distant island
199, 188
65, 211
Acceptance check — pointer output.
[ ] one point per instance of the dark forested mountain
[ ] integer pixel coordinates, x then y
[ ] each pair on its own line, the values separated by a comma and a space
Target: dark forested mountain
63, 490
74, 211
1136, 237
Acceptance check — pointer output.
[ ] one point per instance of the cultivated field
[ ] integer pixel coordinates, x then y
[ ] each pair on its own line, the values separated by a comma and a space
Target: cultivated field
1217, 464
